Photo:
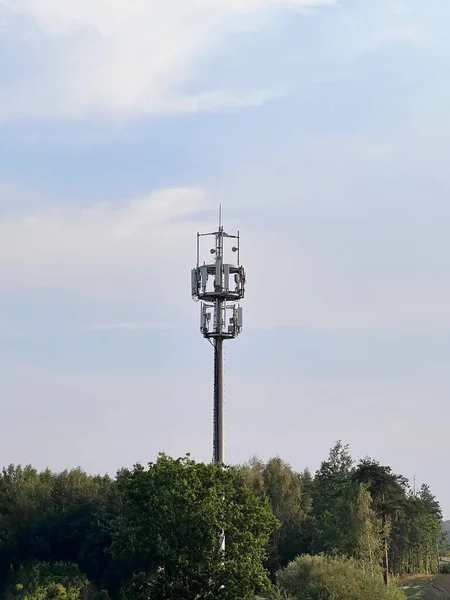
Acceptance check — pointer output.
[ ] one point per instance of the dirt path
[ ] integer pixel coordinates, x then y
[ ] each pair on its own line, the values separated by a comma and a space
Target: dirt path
439, 589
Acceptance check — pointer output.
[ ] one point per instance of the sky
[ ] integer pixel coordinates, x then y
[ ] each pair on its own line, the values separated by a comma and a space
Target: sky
323, 129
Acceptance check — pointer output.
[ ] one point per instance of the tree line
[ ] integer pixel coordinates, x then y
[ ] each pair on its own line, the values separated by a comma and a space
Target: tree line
155, 531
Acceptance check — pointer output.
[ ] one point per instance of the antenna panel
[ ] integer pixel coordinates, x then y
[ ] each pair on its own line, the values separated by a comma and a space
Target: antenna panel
218, 281
226, 277
202, 318
204, 276
194, 282
239, 318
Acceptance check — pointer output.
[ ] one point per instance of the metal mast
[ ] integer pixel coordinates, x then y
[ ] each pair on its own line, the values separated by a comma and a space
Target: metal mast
219, 285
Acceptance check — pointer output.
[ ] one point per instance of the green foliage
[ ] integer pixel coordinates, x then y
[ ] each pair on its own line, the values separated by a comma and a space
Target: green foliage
54, 517
445, 525
326, 578
289, 495
334, 499
388, 492
42, 581
387, 489
157, 528
429, 501
410, 526
361, 512
122, 594
276, 593
414, 539
369, 546
173, 515
445, 567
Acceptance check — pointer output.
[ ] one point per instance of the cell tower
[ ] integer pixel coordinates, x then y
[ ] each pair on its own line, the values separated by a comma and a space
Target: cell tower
219, 285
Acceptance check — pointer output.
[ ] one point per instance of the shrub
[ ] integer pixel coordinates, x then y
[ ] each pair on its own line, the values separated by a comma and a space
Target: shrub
445, 567
43, 581
276, 593
326, 578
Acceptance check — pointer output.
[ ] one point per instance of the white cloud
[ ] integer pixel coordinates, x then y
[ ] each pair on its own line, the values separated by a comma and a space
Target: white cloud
355, 241
131, 57
137, 245
357, 269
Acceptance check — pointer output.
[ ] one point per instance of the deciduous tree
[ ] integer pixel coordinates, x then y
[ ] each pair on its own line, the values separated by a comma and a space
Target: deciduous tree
173, 514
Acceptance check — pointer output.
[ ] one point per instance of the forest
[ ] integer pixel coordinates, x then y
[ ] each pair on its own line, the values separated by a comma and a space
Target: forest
154, 531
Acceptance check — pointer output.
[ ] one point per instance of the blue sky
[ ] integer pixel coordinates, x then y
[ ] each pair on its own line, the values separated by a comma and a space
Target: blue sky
323, 129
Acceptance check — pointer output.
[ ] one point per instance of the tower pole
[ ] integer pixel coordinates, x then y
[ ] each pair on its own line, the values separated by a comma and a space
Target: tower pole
219, 287
219, 434
219, 437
